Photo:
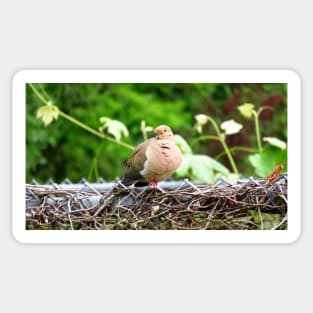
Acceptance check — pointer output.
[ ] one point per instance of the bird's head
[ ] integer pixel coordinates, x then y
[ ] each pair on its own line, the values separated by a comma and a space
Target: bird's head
163, 132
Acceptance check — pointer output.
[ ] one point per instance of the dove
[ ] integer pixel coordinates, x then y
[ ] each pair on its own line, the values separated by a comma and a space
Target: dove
154, 160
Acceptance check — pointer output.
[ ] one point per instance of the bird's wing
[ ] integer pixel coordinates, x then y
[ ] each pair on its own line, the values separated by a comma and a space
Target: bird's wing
135, 164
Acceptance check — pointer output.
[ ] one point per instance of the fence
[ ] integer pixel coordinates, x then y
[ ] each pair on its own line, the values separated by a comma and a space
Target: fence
247, 204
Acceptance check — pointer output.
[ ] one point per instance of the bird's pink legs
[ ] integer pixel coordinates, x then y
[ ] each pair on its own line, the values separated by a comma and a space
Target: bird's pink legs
153, 183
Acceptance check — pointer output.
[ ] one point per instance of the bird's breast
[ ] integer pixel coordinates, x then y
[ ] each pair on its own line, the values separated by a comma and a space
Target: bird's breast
163, 158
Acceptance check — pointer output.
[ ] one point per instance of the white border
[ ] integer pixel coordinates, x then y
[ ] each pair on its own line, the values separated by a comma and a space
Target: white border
154, 236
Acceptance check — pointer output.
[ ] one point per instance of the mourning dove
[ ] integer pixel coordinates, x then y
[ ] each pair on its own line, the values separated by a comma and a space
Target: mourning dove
153, 160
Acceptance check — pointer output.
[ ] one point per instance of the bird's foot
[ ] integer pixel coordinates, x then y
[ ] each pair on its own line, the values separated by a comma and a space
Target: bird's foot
153, 184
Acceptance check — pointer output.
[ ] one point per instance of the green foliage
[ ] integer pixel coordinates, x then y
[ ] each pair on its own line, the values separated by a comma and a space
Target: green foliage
228, 128
202, 168
64, 150
71, 151
265, 220
199, 168
182, 144
265, 162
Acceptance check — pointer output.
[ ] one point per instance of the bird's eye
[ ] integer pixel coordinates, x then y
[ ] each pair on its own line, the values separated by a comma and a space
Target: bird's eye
165, 130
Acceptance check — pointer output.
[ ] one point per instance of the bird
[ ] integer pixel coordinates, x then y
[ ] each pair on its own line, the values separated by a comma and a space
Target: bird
154, 160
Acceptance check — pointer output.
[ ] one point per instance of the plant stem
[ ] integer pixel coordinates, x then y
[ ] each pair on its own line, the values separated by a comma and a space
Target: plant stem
44, 92
215, 126
38, 94
204, 138
257, 130
80, 124
94, 132
143, 130
93, 168
144, 134
229, 155
221, 138
233, 149
94, 165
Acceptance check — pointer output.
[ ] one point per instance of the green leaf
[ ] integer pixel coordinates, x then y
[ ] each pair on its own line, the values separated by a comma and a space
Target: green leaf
267, 220
116, 128
231, 127
247, 110
276, 142
201, 168
48, 113
265, 162
182, 144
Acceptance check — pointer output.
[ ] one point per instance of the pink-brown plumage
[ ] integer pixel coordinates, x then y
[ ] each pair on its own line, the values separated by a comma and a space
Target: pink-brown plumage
154, 160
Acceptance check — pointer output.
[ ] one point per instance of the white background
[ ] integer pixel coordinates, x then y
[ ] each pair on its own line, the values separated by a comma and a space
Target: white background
160, 34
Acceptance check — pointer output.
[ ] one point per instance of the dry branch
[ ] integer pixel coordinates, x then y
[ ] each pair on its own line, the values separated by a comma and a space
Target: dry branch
252, 204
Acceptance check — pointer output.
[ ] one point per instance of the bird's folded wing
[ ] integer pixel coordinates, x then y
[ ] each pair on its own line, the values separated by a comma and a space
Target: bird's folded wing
135, 164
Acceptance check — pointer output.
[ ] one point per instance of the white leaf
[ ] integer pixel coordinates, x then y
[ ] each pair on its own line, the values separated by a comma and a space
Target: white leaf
276, 142
48, 113
201, 120
231, 127
116, 128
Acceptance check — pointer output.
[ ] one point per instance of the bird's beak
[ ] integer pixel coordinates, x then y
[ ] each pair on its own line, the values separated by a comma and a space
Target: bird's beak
157, 136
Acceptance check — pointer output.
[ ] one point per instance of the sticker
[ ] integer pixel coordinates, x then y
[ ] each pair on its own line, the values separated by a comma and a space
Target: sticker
215, 165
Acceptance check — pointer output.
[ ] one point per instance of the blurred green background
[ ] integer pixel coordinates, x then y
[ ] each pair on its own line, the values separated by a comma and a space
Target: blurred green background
63, 150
